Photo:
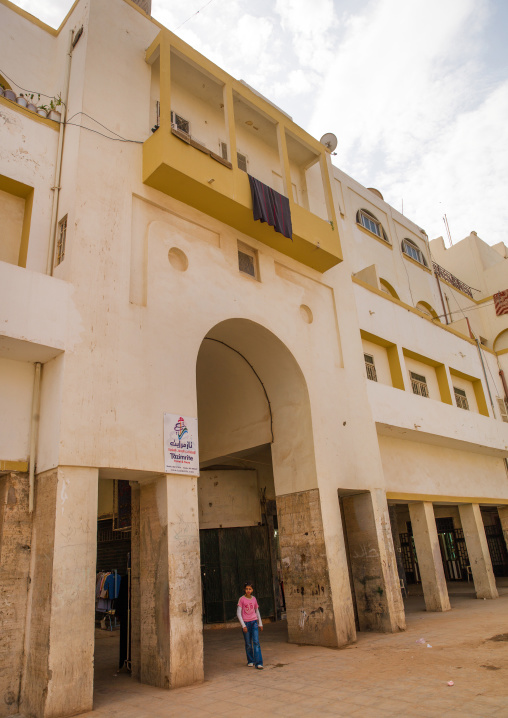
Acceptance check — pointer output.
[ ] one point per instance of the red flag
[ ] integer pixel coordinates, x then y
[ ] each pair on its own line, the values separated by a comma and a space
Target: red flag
501, 302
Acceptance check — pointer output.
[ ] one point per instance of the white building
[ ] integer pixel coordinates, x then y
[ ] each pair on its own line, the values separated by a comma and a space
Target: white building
338, 393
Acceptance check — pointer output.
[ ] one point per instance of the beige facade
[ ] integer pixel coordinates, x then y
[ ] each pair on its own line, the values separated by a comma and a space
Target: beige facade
339, 393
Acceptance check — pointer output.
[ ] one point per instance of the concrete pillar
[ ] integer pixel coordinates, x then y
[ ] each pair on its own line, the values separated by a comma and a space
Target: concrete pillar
478, 551
373, 563
135, 634
503, 516
171, 631
59, 643
15, 540
392, 511
309, 603
428, 553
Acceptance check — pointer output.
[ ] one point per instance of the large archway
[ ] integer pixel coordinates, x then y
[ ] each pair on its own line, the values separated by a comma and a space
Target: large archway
254, 418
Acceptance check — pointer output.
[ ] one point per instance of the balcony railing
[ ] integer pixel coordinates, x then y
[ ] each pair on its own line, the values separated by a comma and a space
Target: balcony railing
440, 271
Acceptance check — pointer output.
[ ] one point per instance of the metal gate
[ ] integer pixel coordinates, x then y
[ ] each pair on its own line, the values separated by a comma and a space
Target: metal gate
497, 549
229, 557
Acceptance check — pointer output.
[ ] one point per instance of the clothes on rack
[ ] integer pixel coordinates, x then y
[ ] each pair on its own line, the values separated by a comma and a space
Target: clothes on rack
107, 587
271, 207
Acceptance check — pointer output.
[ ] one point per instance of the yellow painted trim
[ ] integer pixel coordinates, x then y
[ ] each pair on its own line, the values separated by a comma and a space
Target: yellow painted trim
418, 264
385, 283
409, 308
371, 234
14, 466
444, 385
12, 186
393, 357
441, 375
30, 18
28, 113
195, 178
395, 367
500, 352
396, 496
374, 339
18, 189
421, 358
4, 83
25, 232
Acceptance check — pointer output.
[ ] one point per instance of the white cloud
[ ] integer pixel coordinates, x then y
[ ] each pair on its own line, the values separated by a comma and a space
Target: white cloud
401, 83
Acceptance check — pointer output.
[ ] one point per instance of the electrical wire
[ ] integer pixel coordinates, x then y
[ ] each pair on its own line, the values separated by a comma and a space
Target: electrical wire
30, 92
195, 13
113, 139
118, 137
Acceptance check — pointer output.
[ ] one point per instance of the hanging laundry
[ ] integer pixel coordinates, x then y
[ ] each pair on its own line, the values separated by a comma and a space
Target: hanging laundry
271, 207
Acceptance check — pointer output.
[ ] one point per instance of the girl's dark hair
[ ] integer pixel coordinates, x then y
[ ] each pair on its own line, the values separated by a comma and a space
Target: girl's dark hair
248, 583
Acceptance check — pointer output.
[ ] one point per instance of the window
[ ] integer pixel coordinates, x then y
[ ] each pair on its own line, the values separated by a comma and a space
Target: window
503, 408
242, 161
411, 249
367, 220
223, 150
180, 123
419, 384
247, 260
60, 243
369, 366
460, 398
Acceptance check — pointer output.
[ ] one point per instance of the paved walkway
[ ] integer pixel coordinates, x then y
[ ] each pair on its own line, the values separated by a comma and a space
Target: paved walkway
380, 676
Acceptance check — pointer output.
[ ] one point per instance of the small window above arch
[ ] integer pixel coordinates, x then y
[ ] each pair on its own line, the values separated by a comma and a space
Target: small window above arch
387, 287
412, 250
370, 222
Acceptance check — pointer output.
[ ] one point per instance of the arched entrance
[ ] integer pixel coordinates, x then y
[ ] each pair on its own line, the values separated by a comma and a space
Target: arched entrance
259, 506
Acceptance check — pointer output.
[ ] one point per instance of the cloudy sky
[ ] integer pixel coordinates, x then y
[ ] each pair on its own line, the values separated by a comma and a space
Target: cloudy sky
415, 90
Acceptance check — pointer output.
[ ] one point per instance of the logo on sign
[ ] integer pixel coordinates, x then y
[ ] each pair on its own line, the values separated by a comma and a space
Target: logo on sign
180, 428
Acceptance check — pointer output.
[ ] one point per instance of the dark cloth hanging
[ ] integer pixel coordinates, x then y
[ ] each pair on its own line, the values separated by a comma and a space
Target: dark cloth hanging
271, 207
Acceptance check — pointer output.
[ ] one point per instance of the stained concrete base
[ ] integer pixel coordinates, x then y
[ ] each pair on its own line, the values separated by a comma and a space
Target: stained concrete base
380, 676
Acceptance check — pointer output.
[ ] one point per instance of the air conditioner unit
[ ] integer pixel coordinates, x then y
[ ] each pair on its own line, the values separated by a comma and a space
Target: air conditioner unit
180, 123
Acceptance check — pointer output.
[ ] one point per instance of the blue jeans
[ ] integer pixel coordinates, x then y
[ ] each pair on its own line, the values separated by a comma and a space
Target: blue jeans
252, 648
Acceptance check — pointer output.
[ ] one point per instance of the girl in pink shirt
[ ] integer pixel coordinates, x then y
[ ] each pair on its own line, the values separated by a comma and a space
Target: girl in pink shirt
250, 620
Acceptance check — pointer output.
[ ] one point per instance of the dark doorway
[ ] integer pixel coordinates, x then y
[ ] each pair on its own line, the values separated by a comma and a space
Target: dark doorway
229, 557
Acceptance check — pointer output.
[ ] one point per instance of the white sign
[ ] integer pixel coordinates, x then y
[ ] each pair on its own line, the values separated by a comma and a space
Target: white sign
181, 455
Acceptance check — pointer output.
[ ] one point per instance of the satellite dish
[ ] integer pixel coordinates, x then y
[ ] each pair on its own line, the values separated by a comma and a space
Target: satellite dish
329, 141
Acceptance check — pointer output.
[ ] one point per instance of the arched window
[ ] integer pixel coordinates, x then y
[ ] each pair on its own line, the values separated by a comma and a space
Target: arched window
411, 249
387, 287
427, 309
367, 220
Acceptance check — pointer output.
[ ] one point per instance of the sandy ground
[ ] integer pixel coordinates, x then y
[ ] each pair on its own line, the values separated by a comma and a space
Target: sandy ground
381, 675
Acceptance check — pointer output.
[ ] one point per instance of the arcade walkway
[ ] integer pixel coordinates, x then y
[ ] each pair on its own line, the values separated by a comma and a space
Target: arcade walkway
380, 676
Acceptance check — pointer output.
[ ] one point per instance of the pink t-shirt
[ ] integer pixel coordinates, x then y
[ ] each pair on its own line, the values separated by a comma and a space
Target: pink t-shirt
249, 607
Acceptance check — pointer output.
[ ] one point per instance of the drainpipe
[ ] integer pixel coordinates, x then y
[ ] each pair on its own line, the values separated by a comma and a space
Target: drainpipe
483, 365
442, 300
503, 379
58, 166
34, 431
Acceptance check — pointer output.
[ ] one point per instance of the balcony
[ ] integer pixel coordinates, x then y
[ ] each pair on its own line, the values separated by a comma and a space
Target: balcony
406, 416
34, 314
230, 131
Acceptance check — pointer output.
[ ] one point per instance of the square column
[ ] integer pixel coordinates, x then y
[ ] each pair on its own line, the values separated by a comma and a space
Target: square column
59, 643
503, 516
15, 540
428, 552
478, 551
318, 598
373, 562
171, 631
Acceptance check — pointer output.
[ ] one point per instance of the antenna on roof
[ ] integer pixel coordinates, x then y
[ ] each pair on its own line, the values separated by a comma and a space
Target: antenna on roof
445, 220
329, 141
